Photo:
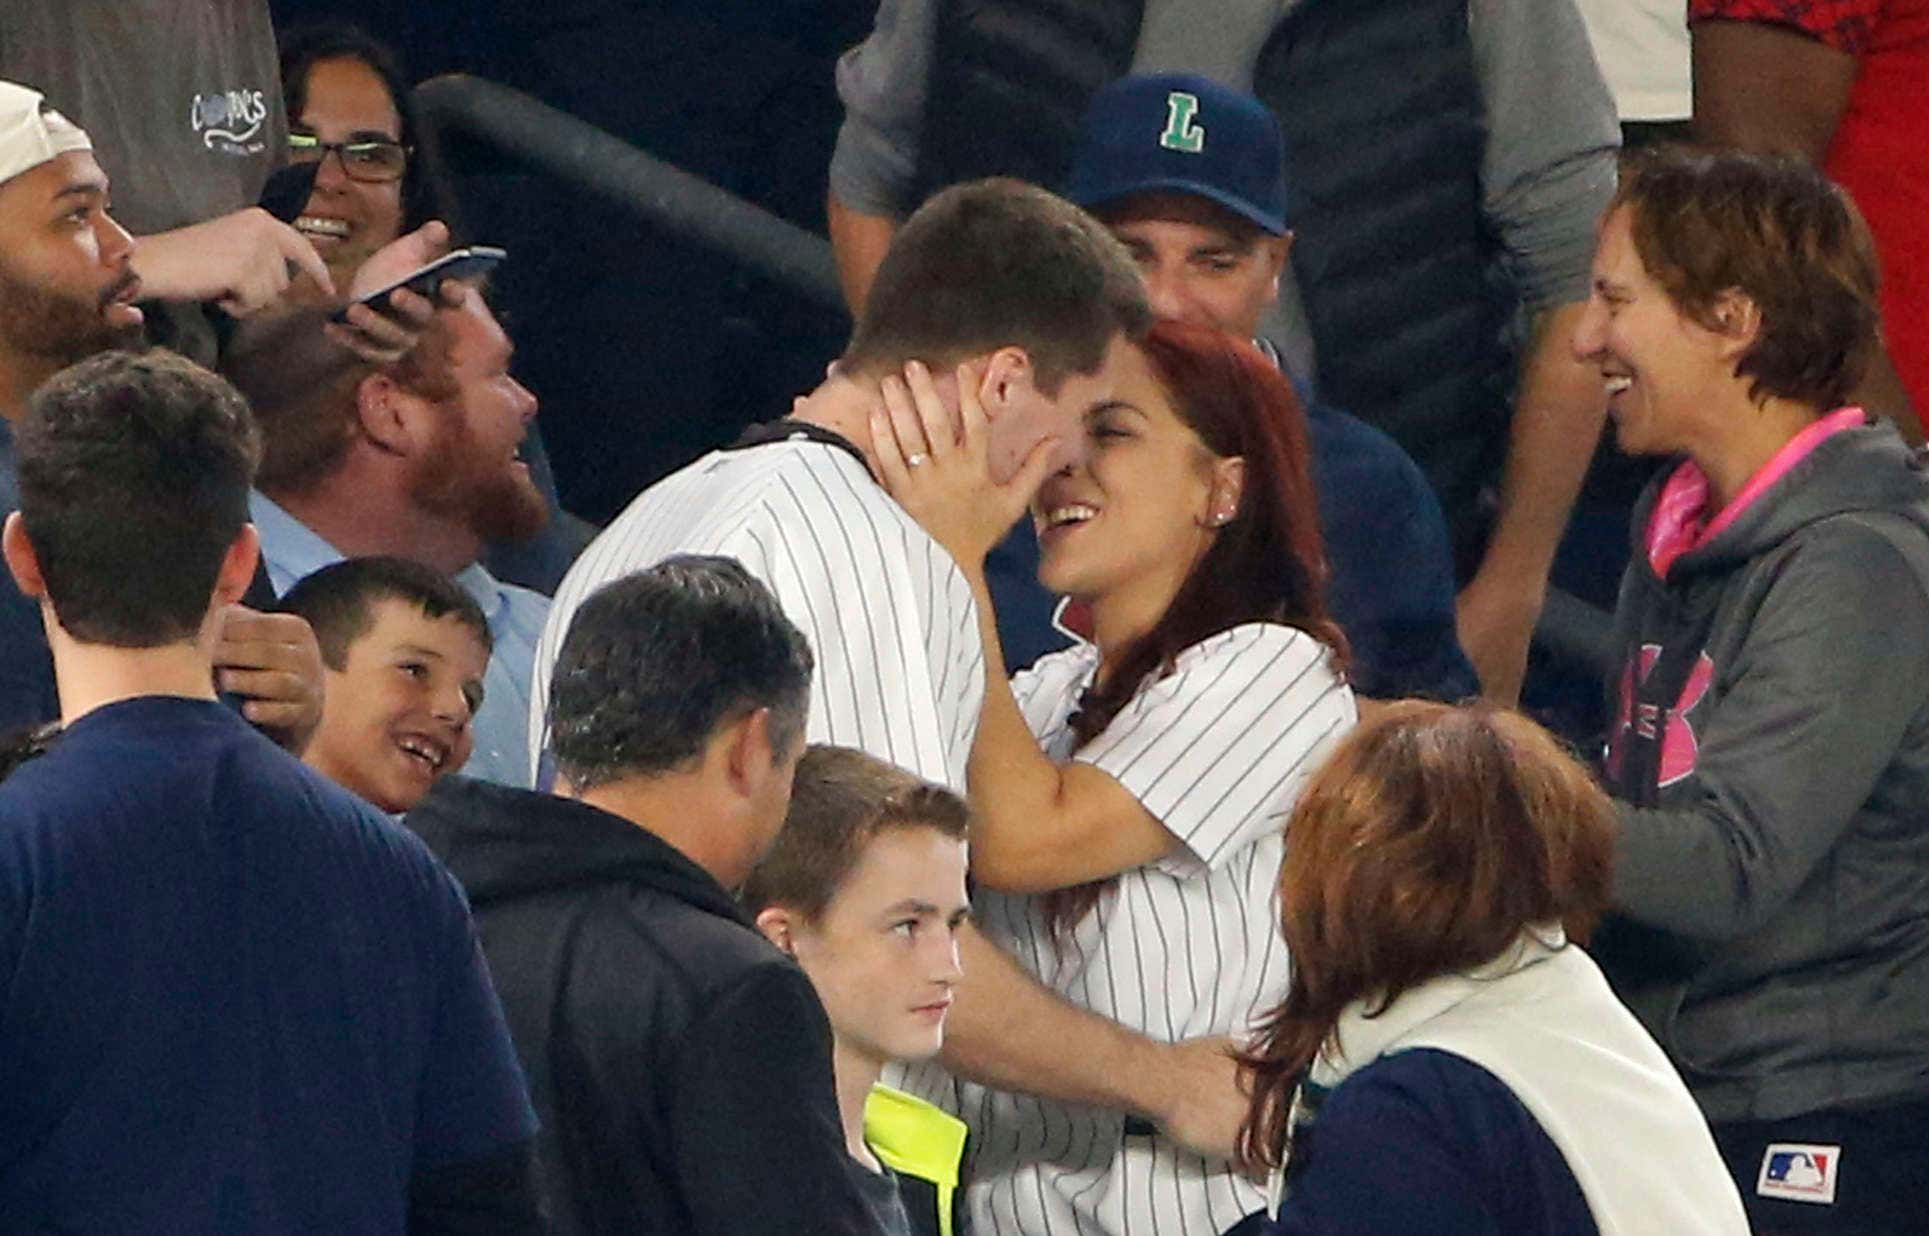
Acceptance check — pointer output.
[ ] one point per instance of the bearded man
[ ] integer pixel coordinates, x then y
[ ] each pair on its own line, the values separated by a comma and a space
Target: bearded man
418, 460
68, 284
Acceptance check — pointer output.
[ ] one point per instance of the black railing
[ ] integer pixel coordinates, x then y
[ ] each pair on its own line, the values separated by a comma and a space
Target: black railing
667, 197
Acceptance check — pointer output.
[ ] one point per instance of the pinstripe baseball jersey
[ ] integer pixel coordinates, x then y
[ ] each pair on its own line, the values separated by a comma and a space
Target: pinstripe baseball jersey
900, 670
1217, 751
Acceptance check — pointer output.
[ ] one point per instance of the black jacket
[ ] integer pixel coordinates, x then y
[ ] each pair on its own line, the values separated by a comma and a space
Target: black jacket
680, 1064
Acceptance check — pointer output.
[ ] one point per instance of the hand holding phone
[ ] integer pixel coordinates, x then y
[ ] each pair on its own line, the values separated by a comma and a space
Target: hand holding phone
470, 263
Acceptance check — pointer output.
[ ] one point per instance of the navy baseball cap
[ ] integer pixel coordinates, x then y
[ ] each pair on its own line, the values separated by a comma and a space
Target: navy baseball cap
1182, 132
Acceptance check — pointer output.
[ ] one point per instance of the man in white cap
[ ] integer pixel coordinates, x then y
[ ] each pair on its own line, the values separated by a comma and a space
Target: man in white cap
68, 283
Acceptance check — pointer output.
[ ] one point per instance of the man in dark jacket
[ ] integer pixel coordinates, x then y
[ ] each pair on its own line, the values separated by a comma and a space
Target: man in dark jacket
1771, 749
680, 1063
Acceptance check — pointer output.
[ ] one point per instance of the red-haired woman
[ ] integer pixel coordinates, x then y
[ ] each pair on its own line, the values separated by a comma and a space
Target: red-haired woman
1128, 793
1447, 1060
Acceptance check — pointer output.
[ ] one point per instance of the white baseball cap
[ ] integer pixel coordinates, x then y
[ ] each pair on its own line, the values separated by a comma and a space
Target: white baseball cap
31, 133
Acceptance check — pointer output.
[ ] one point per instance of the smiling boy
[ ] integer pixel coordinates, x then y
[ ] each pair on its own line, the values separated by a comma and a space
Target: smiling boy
865, 887
405, 652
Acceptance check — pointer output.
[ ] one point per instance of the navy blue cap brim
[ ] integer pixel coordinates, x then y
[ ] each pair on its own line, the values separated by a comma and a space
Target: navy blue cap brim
1092, 197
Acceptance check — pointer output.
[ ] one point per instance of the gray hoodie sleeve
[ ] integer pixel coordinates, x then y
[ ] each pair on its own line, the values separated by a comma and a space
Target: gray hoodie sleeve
1817, 701
881, 82
1552, 141
1551, 145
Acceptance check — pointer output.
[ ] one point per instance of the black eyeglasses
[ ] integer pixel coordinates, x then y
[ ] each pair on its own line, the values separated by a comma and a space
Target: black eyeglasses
374, 160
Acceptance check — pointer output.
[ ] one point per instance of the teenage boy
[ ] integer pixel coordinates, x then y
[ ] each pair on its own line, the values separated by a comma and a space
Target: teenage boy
866, 889
404, 652
233, 998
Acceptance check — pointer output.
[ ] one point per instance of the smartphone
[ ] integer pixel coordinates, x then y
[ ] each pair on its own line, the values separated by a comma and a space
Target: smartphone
471, 263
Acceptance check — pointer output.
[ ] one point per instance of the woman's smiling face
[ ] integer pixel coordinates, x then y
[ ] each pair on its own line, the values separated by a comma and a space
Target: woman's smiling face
347, 219
1139, 508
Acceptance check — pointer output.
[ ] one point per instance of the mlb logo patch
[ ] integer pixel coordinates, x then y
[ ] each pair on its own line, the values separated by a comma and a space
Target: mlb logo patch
1796, 1172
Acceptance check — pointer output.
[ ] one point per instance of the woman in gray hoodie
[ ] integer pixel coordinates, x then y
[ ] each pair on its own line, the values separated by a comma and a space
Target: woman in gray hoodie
1769, 751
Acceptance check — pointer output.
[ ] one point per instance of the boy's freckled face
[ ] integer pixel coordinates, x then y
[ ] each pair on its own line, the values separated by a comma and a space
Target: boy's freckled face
884, 954
396, 717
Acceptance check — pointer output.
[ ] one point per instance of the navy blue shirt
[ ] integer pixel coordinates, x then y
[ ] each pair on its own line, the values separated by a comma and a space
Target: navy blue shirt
1427, 1141
1391, 587
233, 998
27, 696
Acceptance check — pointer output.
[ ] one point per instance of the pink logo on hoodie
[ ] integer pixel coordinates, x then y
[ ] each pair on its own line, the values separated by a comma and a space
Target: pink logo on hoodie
1680, 748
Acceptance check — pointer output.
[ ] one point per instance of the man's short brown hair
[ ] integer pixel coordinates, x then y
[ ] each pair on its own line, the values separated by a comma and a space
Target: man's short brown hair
840, 801
134, 472
307, 429
999, 263
1777, 231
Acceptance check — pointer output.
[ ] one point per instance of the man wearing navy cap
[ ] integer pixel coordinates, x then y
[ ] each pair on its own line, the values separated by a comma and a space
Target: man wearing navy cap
1449, 161
1188, 174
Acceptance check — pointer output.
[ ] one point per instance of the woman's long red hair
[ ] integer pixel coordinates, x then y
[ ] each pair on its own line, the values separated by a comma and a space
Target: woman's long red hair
1267, 565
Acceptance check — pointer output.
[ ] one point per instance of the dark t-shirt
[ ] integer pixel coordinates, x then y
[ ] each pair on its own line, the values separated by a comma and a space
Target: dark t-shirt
181, 97
27, 696
232, 997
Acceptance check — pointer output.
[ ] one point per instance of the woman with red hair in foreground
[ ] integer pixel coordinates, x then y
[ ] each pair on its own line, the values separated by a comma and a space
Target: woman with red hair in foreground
1447, 1059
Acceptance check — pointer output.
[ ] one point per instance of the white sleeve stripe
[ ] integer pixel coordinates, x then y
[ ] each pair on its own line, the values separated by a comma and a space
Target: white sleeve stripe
1135, 713
1317, 747
1234, 719
893, 610
1175, 739
1241, 782
1308, 748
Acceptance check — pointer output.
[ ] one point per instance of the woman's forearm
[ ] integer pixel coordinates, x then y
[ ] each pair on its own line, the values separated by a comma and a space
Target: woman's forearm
1038, 825
1013, 783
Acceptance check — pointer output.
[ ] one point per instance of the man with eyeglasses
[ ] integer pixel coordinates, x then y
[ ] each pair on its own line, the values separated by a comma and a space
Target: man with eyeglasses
344, 95
364, 177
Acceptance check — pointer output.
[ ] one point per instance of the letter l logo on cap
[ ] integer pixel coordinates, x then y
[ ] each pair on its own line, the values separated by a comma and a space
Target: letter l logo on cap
1181, 131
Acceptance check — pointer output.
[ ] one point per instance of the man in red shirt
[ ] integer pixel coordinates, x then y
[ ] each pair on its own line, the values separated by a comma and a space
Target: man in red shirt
1844, 83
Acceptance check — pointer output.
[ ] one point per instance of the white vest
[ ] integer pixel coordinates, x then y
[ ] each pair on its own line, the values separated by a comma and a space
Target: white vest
1542, 1019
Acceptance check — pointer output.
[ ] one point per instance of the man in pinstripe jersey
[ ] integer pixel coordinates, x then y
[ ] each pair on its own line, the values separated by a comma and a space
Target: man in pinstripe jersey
1022, 293
1036, 299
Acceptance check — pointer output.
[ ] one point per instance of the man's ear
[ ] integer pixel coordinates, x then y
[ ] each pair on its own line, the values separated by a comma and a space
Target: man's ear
238, 566
749, 758
22, 561
776, 923
1278, 250
1737, 320
1228, 489
393, 420
1008, 376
